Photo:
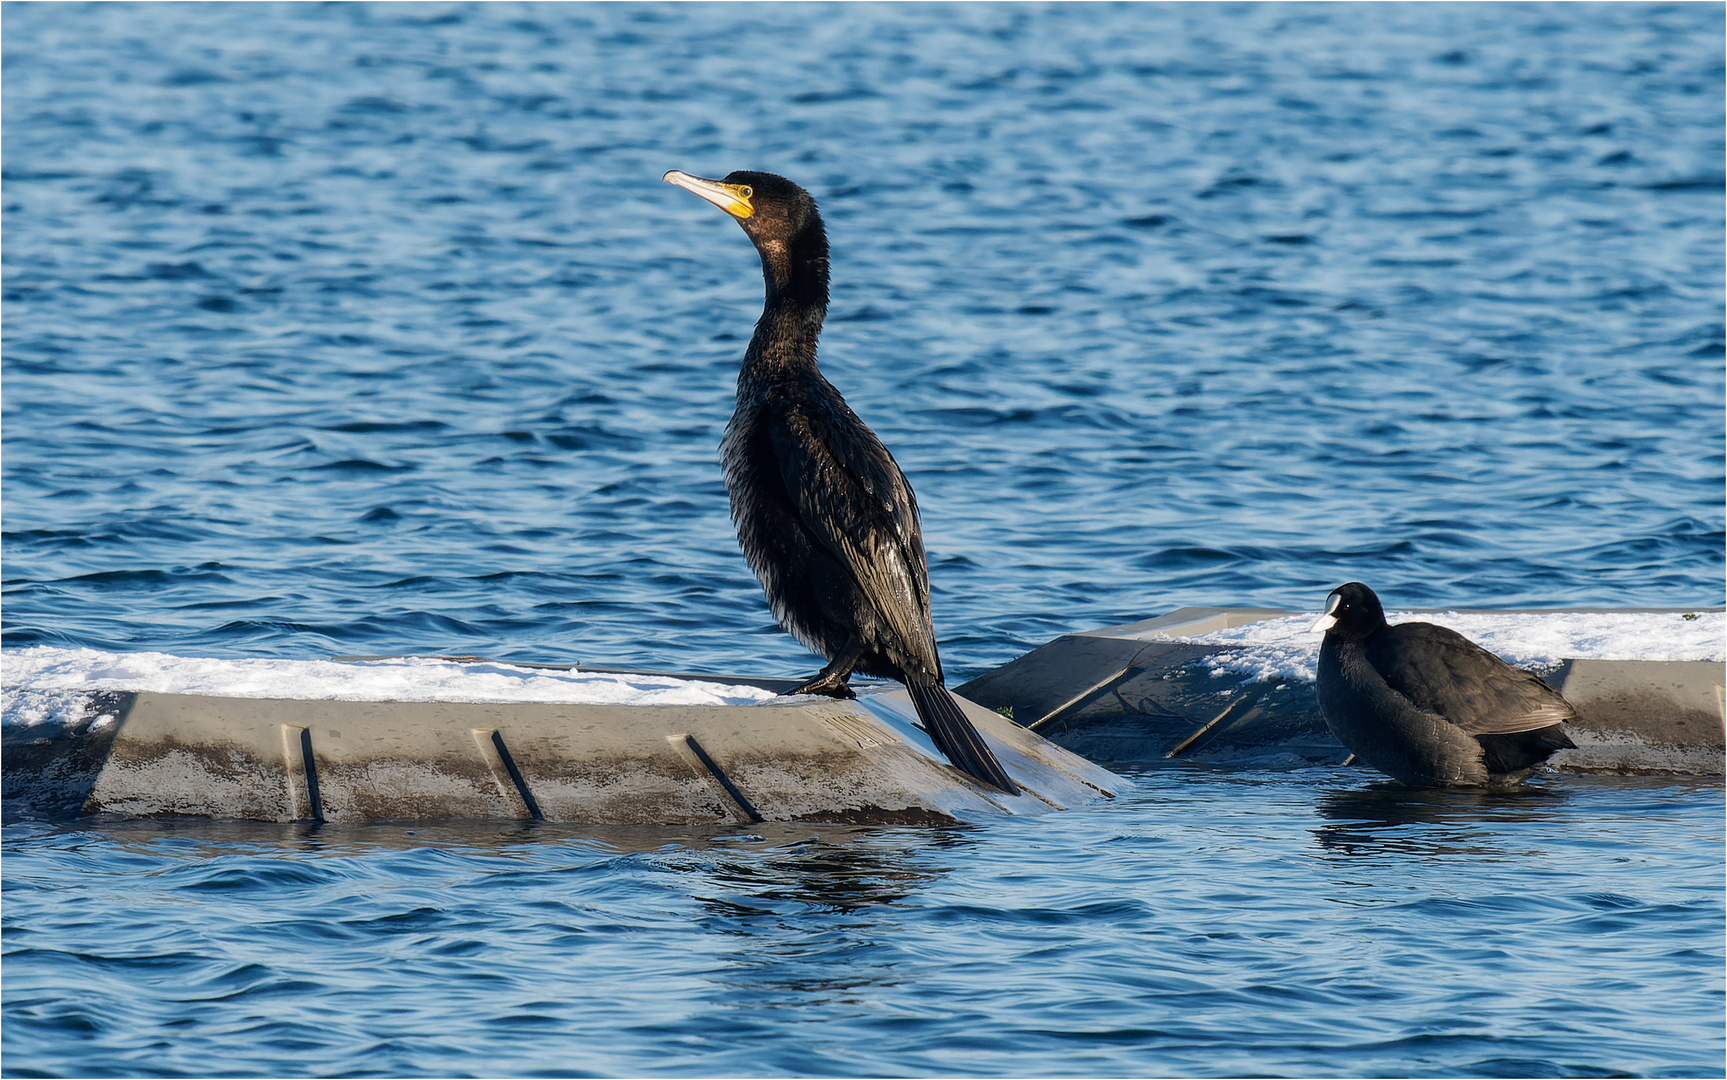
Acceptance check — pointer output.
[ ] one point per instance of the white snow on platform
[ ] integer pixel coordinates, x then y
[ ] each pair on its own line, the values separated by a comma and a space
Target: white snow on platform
1280, 650
36, 683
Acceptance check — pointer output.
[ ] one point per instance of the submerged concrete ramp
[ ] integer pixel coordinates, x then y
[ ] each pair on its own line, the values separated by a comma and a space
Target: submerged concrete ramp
800, 759
1147, 693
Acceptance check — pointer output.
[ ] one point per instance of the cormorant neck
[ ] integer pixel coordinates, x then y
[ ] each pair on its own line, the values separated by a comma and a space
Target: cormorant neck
795, 273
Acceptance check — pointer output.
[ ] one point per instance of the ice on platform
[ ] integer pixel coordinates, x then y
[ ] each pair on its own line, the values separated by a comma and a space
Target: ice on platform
1283, 650
45, 684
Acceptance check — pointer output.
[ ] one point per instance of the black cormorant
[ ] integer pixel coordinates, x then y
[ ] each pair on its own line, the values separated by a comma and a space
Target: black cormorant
1424, 704
824, 515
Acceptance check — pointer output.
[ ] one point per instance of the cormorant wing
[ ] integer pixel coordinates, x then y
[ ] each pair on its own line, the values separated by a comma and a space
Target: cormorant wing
1441, 671
853, 498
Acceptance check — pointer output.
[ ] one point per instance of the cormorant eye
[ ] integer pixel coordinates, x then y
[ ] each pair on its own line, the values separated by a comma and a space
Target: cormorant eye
746, 192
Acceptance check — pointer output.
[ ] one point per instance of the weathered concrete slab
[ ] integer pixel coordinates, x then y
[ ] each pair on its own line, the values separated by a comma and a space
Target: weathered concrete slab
50, 769
1645, 715
802, 759
1128, 695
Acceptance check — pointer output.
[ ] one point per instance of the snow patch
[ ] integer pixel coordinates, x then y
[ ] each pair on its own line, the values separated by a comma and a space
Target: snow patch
1282, 650
41, 684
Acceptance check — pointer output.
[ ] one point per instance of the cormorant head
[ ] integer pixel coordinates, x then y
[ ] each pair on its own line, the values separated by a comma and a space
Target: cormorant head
1352, 613
779, 217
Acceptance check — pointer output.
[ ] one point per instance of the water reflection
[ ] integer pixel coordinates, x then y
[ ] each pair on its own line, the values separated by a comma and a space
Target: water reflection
811, 920
839, 866
1390, 819
166, 836
1124, 939
839, 869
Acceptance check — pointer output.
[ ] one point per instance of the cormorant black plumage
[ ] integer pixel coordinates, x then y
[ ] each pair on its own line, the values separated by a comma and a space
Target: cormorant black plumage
824, 515
1424, 704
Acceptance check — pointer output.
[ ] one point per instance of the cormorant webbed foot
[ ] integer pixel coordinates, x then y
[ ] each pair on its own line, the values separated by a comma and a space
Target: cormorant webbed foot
826, 684
831, 681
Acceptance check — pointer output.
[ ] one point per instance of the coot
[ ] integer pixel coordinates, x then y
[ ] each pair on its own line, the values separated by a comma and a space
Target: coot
1426, 705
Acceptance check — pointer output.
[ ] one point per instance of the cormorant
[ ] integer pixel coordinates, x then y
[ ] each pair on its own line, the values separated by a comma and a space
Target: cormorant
824, 515
1427, 706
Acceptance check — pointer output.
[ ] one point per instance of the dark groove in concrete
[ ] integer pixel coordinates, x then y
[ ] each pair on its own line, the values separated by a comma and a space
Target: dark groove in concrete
516, 777
724, 780
311, 767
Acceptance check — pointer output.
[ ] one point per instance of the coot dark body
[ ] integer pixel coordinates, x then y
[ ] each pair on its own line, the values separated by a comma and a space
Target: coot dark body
825, 517
1426, 705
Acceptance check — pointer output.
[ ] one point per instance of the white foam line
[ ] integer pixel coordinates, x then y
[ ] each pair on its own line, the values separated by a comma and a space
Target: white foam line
36, 683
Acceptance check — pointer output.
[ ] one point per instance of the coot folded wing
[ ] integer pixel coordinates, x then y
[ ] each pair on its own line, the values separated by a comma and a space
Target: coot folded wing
1441, 671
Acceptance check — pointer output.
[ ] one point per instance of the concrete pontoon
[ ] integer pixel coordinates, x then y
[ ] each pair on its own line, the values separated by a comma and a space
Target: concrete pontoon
797, 759
1139, 695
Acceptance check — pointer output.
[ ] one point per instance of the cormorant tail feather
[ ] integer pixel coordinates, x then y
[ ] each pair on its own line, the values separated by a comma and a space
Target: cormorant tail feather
955, 736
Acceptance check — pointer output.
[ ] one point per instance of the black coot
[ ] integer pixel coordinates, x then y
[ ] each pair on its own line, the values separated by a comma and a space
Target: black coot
1426, 705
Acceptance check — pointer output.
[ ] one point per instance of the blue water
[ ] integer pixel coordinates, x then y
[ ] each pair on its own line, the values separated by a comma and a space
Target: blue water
1204, 925
371, 329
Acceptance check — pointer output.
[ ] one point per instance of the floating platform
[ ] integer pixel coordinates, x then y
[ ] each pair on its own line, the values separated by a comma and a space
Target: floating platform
1144, 694
800, 759
1140, 694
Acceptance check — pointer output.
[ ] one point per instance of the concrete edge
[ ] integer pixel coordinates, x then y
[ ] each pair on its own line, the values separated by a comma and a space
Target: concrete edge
1129, 694
797, 759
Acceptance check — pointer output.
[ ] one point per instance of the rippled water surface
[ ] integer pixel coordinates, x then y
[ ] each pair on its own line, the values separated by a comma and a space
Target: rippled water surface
347, 329
372, 329
1204, 924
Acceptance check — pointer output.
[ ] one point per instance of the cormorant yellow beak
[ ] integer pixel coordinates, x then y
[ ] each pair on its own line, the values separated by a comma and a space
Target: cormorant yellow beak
734, 199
